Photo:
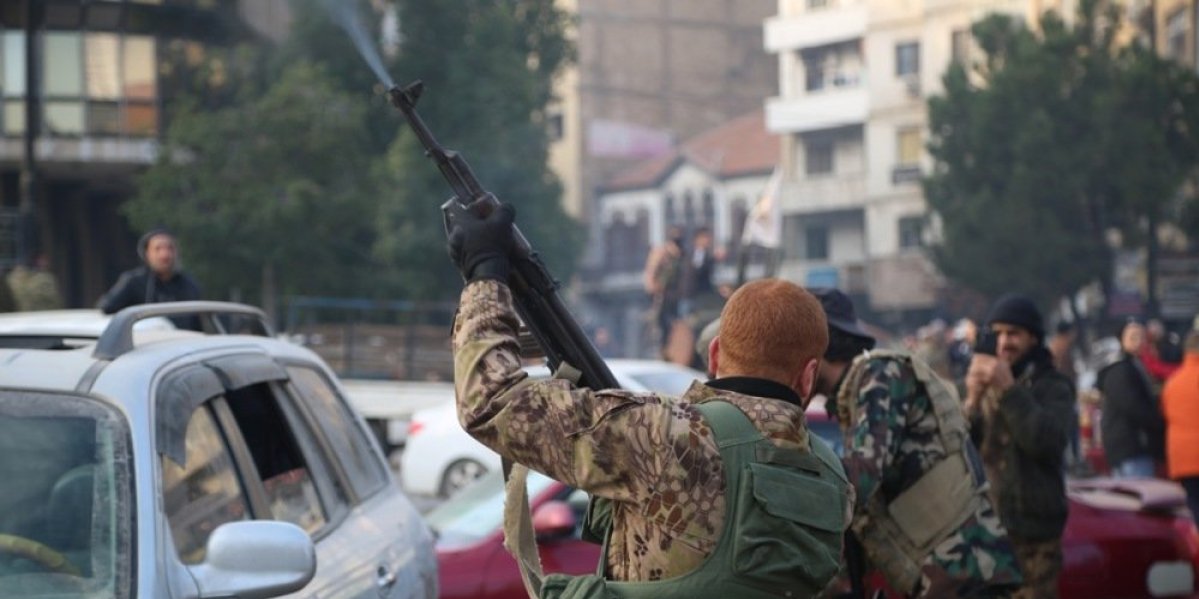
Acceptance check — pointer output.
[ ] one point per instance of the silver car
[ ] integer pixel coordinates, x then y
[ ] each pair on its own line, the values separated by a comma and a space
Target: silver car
137, 460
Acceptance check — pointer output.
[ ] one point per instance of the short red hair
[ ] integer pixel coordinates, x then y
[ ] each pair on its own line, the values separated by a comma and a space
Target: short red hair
771, 328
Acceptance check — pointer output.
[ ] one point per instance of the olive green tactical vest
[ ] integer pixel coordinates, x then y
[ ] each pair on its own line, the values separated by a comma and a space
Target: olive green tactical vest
785, 516
898, 536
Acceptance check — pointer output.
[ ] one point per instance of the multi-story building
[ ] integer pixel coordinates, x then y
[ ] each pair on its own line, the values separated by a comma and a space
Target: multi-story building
649, 74
104, 73
1176, 24
851, 112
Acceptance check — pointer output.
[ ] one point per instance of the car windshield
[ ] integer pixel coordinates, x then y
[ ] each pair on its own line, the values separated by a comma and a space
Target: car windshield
667, 382
65, 521
478, 510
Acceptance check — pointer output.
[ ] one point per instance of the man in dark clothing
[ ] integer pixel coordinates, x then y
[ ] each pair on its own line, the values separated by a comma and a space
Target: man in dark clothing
1133, 427
1020, 409
157, 280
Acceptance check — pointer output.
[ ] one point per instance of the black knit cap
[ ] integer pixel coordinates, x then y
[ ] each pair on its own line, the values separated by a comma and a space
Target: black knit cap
1018, 310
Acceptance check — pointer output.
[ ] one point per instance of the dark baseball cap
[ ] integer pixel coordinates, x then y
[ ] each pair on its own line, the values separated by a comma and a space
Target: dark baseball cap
839, 311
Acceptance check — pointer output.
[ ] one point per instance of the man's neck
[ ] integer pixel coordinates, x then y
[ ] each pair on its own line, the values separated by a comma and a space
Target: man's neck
836, 372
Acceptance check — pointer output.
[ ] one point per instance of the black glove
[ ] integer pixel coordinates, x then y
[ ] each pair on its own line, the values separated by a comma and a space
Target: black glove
480, 247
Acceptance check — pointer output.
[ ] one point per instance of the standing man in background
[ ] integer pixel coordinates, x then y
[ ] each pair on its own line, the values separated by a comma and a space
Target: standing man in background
1021, 411
662, 279
158, 279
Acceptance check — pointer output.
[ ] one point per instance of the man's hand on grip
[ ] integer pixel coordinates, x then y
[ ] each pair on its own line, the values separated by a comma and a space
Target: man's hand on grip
481, 246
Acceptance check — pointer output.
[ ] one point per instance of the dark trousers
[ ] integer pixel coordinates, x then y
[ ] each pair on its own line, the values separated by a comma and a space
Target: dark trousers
1190, 484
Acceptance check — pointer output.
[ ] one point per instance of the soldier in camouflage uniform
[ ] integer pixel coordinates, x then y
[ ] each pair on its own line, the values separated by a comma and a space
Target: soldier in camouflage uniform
922, 518
654, 457
1021, 411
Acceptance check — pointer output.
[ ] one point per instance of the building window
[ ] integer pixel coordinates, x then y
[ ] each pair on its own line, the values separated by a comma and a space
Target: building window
708, 209
95, 83
818, 156
908, 141
911, 231
960, 46
907, 59
816, 242
832, 66
555, 126
1176, 35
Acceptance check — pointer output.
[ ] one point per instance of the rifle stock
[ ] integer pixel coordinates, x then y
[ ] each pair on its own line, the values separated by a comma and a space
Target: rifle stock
534, 289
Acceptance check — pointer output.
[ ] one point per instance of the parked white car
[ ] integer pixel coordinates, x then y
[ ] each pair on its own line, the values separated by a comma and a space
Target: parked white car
440, 458
388, 405
143, 461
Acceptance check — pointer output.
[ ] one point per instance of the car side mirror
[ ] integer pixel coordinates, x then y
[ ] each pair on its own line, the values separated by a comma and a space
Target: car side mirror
255, 559
554, 520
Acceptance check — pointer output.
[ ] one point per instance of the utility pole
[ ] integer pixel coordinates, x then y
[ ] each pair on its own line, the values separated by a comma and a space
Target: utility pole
27, 210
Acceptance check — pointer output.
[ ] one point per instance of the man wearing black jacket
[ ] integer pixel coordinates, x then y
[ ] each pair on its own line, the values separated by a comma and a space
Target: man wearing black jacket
1133, 427
1021, 410
157, 280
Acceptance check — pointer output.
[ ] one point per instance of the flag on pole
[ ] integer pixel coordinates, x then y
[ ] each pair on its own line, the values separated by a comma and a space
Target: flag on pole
764, 224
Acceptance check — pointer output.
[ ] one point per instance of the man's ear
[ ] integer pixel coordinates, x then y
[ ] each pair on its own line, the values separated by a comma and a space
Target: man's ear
714, 357
805, 380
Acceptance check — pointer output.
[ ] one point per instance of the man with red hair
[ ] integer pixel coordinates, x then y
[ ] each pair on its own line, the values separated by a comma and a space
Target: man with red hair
719, 493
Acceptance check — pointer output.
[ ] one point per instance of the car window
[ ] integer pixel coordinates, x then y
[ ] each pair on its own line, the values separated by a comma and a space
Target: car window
203, 492
290, 491
349, 444
65, 500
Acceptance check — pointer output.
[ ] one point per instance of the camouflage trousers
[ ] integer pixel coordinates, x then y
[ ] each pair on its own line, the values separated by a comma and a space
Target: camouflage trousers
1040, 562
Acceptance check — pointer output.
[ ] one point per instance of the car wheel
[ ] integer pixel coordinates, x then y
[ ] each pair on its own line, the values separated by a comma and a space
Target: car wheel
460, 474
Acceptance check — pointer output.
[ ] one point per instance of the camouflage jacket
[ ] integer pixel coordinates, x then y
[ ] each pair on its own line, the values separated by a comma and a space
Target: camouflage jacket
653, 456
891, 442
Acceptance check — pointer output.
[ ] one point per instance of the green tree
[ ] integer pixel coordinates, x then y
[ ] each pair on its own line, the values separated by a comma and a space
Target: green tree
1053, 139
267, 195
488, 68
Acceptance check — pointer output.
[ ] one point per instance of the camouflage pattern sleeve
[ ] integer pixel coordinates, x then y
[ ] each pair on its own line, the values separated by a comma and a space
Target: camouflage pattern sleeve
603, 442
873, 438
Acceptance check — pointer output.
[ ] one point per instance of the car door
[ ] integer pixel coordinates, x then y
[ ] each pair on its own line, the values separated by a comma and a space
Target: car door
265, 463
383, 530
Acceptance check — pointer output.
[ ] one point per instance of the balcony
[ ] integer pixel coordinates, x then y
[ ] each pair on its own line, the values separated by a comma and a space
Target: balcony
813, 194
826, 109
815, 27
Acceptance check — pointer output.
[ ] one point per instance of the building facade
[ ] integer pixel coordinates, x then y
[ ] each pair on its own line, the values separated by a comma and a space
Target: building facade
854, 78
648, 75
104, 73
711, 181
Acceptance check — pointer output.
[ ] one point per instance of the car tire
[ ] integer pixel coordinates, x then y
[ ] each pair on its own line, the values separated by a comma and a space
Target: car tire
458, 475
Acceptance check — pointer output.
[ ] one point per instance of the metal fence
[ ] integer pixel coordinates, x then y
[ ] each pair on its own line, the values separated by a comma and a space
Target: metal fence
362, 338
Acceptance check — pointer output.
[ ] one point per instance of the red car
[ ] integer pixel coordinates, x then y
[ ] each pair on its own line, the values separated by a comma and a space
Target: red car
1123, 539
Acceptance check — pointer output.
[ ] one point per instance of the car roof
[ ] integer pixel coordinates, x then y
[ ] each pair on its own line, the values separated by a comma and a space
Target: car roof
27, 363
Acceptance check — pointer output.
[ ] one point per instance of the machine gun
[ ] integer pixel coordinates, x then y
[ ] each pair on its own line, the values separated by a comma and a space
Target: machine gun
534, 289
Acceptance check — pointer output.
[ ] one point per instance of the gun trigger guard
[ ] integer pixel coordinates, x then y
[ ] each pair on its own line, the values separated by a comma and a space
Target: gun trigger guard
567, 372
451, 211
